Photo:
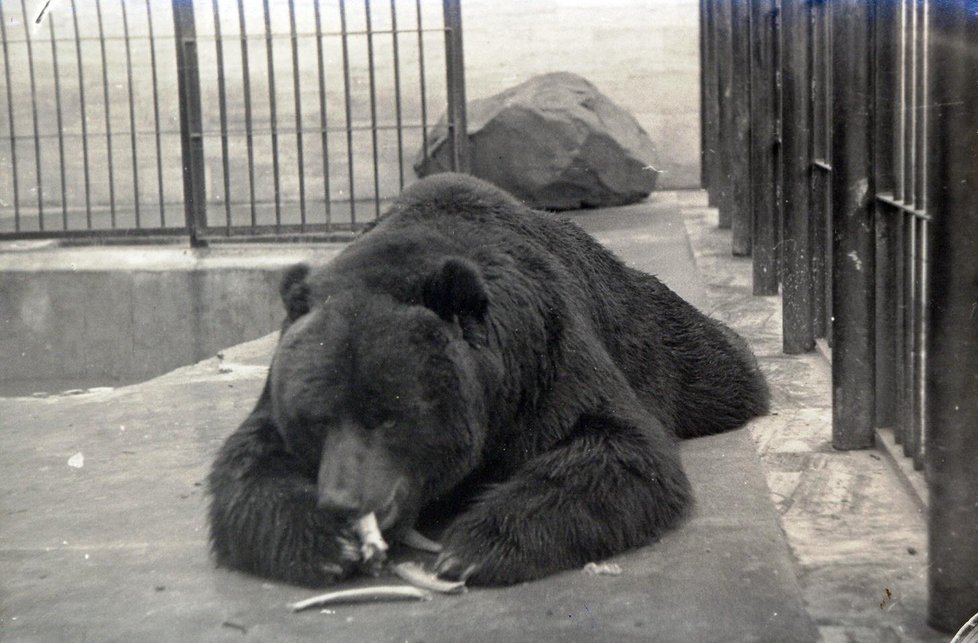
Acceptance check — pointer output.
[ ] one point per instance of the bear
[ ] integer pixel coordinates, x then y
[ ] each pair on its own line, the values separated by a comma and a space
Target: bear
473, 364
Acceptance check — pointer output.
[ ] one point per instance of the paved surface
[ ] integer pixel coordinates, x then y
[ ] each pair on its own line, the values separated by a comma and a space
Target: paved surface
115, 549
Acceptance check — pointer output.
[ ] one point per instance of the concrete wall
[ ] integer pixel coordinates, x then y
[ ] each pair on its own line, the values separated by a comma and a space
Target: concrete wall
111, 315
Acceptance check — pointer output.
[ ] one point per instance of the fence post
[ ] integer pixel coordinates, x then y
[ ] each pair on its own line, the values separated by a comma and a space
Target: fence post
952, 343
796, 163
764, 144
711, 108
742, 218
853, 252
726, 147
191, 138
455, 71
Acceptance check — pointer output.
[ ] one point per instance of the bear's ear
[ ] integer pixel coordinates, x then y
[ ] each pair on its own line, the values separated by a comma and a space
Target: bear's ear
295, 291
456, 289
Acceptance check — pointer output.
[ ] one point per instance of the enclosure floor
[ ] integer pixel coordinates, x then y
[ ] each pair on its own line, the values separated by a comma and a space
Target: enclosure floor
779, 548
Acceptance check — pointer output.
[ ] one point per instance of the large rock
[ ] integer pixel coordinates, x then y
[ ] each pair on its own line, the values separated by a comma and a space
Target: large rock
554, 141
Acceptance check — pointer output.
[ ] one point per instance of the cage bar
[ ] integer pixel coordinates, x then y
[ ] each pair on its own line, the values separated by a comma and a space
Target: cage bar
348, 110
156, 116
273, 113
726, 149
107, 113
741, 215
397, 97
455, 82
323, 119
424, 98
132, 113
372, 79
952, 343
59, 121
796, 277
191, 140
38, 180
246, 89
10, 116
298, 114
222, 108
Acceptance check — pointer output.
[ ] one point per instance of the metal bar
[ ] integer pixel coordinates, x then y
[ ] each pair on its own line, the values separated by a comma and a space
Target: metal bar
796, 278
743, 212
764, 147
347, 106
397, 97
909, 89
60, 121
156, 115
952, 342
37, 141
371, 73
83, 117
920, 108
10, 116
320, 62
899, 326
298, 114
107, 111
704, 47
455, 85
711, 116
886, 78
222, 114
208, 38
132, 113
853, 254
246, 88
191, 141
423, 88
272, 112
907, 409
726, 151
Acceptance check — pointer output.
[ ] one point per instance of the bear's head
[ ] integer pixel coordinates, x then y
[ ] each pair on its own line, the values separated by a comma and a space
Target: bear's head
380, 400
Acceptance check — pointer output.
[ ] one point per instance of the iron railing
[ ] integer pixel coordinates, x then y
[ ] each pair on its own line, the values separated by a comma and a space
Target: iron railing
862, 124
219, 118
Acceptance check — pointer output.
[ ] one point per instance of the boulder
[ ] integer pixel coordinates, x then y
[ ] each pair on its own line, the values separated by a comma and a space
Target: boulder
555, 142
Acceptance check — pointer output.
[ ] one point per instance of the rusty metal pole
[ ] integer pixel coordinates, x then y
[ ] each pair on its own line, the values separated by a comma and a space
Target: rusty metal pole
952, 342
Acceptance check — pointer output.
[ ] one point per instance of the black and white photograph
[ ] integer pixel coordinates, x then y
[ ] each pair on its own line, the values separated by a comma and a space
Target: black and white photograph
489, 320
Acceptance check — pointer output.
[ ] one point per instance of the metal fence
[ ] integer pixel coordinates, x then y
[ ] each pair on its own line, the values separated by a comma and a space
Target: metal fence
855, 124
219, 118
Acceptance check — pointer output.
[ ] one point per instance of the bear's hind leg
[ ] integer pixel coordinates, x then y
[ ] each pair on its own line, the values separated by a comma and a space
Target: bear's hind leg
613, 485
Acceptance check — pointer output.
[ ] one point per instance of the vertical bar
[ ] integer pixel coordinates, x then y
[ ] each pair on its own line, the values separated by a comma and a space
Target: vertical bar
952, 343
455, 76
108, 112
796, 278
397, 97
742, 212
887, 77
853, 254
10, 116
423, 88
764, 147
704, 49
37, 137
60, 121
246, 89
712, 110
722, 17
909, 87
83, 117
191, 138
899, 327
920, 224
348, 109
273, 113
222, 107
156, 116
132, 113
298, 114
373, 105
323, 121
907, 410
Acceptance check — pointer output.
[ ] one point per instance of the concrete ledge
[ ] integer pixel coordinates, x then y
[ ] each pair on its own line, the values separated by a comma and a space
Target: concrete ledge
108, 315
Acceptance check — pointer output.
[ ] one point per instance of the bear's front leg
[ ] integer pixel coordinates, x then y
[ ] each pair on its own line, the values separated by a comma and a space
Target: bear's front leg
613, 485
263, 514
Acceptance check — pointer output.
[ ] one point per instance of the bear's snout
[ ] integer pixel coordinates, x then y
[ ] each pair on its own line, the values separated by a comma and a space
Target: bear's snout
356, 476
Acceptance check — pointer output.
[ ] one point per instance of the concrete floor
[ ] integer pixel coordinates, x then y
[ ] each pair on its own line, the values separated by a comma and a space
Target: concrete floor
789, 540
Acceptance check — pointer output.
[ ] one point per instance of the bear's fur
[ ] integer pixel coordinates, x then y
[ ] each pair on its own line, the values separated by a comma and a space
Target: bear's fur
470, 358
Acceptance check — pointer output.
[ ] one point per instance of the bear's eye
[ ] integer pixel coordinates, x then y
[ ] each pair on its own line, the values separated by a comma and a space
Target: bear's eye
387, 424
